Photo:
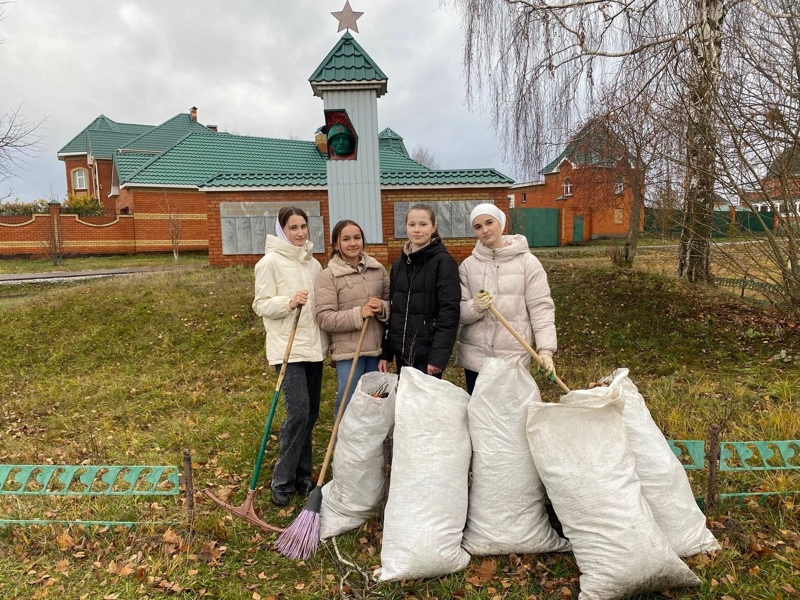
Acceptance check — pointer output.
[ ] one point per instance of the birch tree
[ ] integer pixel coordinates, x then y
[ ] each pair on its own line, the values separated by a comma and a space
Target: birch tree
538, 64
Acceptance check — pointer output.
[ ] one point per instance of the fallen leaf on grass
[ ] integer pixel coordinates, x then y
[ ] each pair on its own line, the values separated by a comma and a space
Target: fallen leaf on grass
483, 573
786, 587
299, 586
65, 541
210, 554
170, 537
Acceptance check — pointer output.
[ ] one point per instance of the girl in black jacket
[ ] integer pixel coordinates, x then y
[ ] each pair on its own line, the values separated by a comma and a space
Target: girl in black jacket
425, 296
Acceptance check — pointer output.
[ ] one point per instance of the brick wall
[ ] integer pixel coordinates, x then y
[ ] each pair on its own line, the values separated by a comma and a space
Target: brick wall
152, 210
78, 162
27, 236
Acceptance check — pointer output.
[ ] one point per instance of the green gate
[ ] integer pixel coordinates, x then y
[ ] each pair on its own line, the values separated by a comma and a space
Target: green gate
577, 229
538, 225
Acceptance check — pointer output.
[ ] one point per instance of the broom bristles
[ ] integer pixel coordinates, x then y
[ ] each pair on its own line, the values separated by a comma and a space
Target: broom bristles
301, 538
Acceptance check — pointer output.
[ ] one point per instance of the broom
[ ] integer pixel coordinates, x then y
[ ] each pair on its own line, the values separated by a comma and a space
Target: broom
525, 344
301, 538
246, 510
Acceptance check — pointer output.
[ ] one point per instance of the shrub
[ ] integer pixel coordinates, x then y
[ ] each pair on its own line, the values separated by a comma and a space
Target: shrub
84, 206
20, 209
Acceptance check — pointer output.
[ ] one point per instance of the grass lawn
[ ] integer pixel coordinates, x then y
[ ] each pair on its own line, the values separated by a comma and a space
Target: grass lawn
82, 263
133, 370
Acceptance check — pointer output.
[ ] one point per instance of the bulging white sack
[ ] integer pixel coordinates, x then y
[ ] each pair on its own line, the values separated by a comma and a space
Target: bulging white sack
664, 483
584, 460
506, 498
427, 506
358, 487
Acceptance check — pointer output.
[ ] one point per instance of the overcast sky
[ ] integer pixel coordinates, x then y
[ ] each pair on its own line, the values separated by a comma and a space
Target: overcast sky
244, 63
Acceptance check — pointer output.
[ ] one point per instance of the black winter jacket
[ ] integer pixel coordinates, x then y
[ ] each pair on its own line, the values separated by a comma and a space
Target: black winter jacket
425, 296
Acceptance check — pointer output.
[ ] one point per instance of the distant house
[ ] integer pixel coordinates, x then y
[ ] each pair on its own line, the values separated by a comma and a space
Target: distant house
585, 190
780, 186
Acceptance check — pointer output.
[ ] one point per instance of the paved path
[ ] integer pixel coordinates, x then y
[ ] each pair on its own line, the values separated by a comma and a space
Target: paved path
11, 278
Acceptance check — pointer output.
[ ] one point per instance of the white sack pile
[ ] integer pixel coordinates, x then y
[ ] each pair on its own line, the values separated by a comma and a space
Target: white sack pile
358, 487
584, 459
427, 506
506, 499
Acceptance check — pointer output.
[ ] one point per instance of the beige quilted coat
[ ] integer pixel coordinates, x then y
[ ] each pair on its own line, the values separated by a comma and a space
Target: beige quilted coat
339, 293
518, 282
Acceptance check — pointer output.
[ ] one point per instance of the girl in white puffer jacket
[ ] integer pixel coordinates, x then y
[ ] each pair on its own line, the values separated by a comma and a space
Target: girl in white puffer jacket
516, 284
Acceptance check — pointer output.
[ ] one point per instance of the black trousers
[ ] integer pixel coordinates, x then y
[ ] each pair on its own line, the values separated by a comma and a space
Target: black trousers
420, 365
302, 388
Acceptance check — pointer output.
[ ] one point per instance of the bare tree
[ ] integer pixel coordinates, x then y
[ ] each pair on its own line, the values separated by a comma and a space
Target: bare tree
759, 161
424, 157
173, 225
540, 63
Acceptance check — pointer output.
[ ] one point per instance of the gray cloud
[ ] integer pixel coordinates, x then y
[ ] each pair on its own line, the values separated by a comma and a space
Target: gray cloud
244, 63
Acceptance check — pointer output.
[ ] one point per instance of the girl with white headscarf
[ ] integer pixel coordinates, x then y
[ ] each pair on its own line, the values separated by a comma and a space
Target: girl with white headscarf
502, 271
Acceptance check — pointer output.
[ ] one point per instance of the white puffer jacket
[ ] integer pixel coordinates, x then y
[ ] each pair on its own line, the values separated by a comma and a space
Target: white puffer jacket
518, 282
283, 271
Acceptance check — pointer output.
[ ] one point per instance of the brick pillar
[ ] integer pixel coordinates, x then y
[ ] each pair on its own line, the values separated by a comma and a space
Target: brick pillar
55, 221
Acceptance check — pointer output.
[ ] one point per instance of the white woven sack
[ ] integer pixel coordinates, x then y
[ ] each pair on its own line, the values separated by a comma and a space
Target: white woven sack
583, 457
358, 487
506, 499
664, 483
427, 506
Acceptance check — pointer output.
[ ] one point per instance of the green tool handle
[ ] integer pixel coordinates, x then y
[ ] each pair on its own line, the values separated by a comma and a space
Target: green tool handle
275, 397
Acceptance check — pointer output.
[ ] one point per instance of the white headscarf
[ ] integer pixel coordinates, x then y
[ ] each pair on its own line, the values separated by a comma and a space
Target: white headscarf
488, 209
279, 231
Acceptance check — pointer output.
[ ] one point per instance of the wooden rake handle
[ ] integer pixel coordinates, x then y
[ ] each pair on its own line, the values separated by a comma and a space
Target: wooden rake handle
288, 351
525, 344
342, 404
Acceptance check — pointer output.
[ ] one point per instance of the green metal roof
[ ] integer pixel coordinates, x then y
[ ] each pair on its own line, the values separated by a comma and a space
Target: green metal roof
197, 158
390, 139
103, 144
80, 143
787, 163
454, 177
127, 163
168, 133
427, 178
594, 145
348, 62
392, 160
267, 179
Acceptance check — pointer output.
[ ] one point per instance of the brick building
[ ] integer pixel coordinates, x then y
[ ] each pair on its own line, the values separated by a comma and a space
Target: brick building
584, 193
222, 192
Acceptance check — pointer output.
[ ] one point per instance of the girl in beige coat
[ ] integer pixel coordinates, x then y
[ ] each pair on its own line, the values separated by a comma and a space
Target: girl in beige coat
353, 287
502, 271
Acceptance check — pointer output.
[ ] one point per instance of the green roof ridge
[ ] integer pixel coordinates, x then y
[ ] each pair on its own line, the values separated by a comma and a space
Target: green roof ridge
389, 134
102, 124
347, 62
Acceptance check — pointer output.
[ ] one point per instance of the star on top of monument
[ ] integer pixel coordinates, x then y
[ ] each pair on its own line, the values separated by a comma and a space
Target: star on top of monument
347, 18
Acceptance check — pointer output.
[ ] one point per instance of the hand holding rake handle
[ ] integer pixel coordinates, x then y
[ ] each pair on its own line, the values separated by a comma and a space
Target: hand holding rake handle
525, 344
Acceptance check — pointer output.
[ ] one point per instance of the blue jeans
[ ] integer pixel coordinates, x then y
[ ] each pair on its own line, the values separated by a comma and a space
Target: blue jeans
366, 364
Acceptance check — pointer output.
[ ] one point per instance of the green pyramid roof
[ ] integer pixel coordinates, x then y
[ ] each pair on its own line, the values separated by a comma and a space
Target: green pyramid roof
594, 145
107, 136
168, 133
347, 62
391, 139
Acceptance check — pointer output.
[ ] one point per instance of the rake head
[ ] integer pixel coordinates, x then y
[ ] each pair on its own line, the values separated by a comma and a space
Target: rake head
246, 512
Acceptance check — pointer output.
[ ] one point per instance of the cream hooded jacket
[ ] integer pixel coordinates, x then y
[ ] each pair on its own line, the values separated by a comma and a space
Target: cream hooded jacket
283, 271
518, 282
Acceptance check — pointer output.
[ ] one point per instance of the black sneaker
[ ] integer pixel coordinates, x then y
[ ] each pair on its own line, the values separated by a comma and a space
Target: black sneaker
305, 486
281, 498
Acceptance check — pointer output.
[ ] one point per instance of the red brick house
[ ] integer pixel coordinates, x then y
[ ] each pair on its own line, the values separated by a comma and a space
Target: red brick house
587, 184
